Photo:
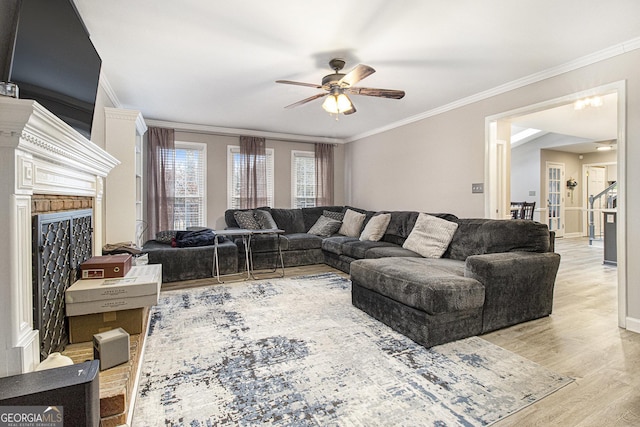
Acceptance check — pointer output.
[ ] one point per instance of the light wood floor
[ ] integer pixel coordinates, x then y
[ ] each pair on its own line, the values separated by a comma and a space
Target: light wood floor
580, 339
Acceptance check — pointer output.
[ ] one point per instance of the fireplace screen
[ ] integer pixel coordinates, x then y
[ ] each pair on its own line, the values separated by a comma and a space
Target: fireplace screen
61, 242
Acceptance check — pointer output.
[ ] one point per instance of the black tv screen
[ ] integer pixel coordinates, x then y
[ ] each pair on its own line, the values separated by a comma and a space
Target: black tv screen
55, 63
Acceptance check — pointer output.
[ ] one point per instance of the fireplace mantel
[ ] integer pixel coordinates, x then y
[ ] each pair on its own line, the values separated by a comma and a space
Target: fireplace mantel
39, 154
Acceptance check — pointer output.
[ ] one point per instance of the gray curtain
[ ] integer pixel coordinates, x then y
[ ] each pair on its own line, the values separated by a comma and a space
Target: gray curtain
324, 174
160, 179
253, 172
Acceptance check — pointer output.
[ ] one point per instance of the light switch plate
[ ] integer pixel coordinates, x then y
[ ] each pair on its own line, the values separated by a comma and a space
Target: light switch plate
477, 188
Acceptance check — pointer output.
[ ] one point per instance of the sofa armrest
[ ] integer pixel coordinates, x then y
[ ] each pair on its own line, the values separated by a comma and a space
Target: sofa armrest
518, 285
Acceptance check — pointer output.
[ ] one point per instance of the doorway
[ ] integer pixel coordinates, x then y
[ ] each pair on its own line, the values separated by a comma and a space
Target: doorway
594, 184
555, 197
491, 198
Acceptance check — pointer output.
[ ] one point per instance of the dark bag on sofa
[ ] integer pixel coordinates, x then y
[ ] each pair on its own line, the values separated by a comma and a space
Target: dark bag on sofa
186, 239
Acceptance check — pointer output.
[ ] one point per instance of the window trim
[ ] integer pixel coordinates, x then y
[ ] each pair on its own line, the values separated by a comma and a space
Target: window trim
200, 146
294, 180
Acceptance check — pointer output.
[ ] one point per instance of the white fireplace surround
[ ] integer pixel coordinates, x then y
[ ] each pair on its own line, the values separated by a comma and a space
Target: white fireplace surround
39, 154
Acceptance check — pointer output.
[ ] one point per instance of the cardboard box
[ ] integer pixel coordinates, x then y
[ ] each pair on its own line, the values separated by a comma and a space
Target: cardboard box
83, 328
139, 288
111, 348
103, 267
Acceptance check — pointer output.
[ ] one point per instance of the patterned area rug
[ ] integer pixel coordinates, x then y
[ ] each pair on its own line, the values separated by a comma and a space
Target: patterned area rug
294, 351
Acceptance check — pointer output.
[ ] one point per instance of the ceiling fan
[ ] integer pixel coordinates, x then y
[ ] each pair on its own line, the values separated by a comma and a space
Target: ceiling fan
339, 85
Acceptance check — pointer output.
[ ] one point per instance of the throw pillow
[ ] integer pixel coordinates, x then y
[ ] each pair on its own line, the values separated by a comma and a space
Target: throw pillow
165, 236
246, 220
352, 223
325, 227
430, 236
375, 228
333, 215
264, 219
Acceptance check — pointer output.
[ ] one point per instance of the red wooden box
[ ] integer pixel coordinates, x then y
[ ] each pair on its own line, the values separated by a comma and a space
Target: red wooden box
107, 266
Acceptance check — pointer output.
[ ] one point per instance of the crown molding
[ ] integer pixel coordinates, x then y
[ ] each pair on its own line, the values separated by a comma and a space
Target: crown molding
108, 89
584, 61
130, 115
216, 130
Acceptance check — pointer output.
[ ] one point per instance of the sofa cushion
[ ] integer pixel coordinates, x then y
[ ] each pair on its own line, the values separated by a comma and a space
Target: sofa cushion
325, 227
352, 223
402, 223
390, 251
428, 284
301, 241
289, 220
311, 215
358, 249
333, 215
430, 236
375, 228
245, 219
334, 244
230, 220
476, 236
264, 219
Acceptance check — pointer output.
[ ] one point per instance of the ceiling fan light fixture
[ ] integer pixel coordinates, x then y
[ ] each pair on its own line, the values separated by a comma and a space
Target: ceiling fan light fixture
337, 103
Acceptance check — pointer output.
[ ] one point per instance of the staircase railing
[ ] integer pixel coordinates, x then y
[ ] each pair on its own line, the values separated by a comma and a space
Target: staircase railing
610, 195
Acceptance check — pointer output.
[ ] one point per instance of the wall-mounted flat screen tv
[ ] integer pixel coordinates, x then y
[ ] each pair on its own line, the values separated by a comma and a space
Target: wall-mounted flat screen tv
55, 62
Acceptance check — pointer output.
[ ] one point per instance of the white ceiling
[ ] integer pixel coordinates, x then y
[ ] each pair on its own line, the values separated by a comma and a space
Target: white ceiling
214, 63
576, 130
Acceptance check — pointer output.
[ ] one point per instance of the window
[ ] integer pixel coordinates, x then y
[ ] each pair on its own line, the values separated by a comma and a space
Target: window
303, 179
233, 176
190, 207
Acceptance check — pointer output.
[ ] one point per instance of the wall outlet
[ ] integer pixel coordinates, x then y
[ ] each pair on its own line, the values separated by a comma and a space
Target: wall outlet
477, 188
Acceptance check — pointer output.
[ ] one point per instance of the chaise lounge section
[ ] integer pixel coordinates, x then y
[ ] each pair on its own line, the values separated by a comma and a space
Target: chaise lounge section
494, 274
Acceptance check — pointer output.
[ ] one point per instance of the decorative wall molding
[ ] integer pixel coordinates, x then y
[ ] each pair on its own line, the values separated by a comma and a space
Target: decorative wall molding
132, 115
216, 130
43, 135
108, 89
39, 153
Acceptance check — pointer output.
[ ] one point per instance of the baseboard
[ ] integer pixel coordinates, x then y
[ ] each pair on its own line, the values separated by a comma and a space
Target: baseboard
633, 325
572, 235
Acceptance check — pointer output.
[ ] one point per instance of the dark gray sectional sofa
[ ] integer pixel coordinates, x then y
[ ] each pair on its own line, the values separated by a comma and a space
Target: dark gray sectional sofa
494, 273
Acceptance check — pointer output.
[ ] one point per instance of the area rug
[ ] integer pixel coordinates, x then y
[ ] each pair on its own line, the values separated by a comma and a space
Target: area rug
294, 351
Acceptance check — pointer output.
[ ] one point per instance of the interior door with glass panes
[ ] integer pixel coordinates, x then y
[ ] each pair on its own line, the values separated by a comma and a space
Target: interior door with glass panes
555, 198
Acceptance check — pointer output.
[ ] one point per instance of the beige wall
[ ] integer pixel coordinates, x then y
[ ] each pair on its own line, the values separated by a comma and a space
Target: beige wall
425, 166
217, 171
430, 165
98, 125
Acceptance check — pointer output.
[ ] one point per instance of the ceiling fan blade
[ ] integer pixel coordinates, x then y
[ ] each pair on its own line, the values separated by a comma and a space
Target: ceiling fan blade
289, 82
382, 93
350, 111
304, 101
354, 76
